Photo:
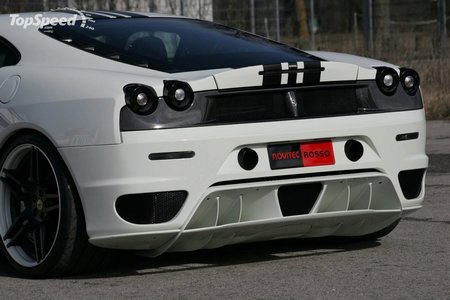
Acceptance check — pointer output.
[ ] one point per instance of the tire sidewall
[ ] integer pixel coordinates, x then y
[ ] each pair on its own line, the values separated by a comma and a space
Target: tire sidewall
68, 216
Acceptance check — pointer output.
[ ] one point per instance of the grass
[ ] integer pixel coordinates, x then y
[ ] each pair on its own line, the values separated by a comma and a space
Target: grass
435, 85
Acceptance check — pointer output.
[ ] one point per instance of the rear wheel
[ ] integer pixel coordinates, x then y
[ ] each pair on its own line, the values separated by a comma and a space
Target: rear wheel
42, 226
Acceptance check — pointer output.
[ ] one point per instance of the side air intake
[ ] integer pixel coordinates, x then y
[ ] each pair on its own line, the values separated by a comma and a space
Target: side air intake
150, 208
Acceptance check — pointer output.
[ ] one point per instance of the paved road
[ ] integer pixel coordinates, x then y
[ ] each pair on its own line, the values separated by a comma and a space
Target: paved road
413, 262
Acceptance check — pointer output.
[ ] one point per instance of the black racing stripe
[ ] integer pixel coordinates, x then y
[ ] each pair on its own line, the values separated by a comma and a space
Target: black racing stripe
312, 72
271, 75
292, 77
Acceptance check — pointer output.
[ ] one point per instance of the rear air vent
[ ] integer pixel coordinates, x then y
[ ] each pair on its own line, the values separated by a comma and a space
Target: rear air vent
151, 208
298, 199
411, 182
266, 106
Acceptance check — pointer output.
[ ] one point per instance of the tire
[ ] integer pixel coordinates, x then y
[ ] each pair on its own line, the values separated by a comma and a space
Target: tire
42, 227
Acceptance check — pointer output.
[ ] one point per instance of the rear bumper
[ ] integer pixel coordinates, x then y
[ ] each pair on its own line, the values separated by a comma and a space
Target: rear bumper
227, 204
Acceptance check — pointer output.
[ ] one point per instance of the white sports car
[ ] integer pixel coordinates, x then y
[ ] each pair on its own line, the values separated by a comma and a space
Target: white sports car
158, 133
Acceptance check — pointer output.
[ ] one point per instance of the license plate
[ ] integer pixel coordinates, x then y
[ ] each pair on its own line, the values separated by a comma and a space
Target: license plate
308, 154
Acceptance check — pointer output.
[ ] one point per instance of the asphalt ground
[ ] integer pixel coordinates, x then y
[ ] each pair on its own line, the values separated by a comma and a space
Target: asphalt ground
413, 262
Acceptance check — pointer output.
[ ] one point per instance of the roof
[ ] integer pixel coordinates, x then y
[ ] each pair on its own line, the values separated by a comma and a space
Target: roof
103, 14
7, 19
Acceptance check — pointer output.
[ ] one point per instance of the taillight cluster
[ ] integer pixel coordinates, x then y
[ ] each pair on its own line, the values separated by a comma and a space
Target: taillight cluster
142, 99
388, 80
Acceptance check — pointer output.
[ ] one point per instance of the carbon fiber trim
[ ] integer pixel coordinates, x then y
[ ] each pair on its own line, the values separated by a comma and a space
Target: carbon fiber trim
274, 104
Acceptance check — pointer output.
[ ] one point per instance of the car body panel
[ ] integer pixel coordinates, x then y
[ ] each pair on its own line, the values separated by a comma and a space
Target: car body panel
128, 170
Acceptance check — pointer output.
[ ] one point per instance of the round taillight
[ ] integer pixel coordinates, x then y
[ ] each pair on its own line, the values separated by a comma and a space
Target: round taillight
178, 95
141, 99
410, 81
387, 80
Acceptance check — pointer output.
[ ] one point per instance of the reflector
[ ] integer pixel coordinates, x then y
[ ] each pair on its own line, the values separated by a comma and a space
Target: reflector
180, 94
142, 99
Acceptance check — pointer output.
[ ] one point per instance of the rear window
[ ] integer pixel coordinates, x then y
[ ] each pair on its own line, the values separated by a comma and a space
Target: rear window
175, 45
